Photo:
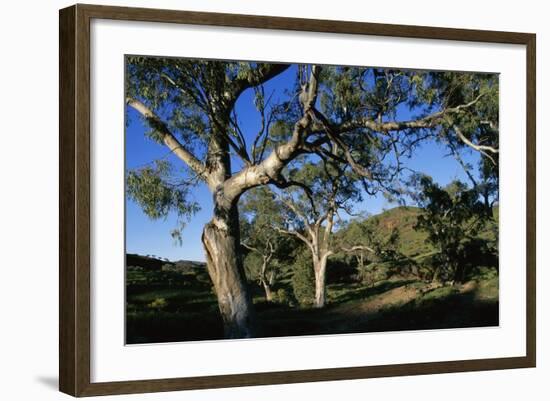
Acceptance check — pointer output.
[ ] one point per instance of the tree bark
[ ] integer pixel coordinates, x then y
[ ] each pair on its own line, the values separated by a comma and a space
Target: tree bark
267, 289
263, 279
221, 242
320, 267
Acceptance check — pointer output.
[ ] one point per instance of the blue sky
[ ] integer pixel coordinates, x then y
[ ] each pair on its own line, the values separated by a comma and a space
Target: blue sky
152, 237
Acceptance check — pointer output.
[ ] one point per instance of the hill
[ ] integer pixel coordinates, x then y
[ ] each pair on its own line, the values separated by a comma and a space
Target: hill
411, 243
155, 263
145, 262
169, 301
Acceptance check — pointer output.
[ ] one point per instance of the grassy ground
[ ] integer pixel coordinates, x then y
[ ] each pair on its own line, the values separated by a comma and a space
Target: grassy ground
165, 306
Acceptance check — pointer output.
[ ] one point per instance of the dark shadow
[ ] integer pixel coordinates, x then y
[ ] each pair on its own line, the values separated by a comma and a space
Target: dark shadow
49, 381
189, 310
366, 292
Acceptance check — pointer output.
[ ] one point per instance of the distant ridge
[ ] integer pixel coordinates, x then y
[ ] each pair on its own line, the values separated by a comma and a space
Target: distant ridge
156, 263
411, 242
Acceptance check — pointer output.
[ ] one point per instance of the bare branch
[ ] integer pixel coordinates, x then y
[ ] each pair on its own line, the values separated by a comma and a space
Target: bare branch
296, 211
357, 248
250, 247
334, 137
240, 148
460, 161
428, 121
493, 125
297, 235
263, 73
283, 183
271, 167
480, 148
168, 138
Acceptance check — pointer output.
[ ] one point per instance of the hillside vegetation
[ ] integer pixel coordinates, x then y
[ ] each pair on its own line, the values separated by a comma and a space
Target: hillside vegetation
175, 301
411, 242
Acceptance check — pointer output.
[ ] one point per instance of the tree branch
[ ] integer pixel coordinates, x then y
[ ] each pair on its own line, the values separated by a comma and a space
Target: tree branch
464, 166
263, 73
334, 137
296, 234
294, 209
251, 248
357, 248
270, 168
429, 121
283, 183
480, 148
168, 138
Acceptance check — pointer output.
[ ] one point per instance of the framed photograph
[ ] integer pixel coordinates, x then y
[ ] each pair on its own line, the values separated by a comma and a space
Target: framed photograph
250, 200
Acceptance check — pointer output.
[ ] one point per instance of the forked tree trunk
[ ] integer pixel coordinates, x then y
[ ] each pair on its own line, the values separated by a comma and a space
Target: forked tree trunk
267, 289
360, 260
266, 283
320, 267
221, 243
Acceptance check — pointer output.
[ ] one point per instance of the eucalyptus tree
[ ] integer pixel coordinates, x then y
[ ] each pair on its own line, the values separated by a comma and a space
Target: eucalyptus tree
452, 216
365, 240
268, 249
189, 108
311, 209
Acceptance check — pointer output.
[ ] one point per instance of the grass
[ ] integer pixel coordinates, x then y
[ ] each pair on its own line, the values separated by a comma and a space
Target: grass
345, 293
168, 302
187, 309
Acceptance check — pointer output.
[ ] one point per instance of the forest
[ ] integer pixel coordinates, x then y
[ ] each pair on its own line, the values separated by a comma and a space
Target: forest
332, 207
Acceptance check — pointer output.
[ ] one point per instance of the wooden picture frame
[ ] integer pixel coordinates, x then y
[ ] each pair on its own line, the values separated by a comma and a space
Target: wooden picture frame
74, 203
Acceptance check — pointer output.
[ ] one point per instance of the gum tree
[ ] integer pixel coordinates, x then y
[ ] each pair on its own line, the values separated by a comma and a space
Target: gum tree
452, 217
310, 210
189, 108
267, 248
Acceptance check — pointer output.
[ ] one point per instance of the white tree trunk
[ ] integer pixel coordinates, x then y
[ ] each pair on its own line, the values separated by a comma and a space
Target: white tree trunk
221, 243
320, 267
267, 290
264, 280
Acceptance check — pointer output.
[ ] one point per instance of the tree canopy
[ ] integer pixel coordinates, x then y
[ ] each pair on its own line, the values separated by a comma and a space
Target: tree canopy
189, 106
329, 136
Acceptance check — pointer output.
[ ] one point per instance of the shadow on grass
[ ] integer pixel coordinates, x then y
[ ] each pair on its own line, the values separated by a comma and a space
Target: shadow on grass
200, 320
161, 326
453, 310
361, 293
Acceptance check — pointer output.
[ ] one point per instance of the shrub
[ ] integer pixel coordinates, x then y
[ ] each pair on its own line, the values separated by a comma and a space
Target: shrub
303, 280
284, 297
374, 273
167, 267
158, 303
341, 271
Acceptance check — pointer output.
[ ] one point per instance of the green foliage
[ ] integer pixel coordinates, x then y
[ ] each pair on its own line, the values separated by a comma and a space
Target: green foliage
158, 303
191, 312
332, 186
452, 217
252, 265
374, 273
151, 188
190, 97
382, 238
260, 214
303, 279
283, 296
